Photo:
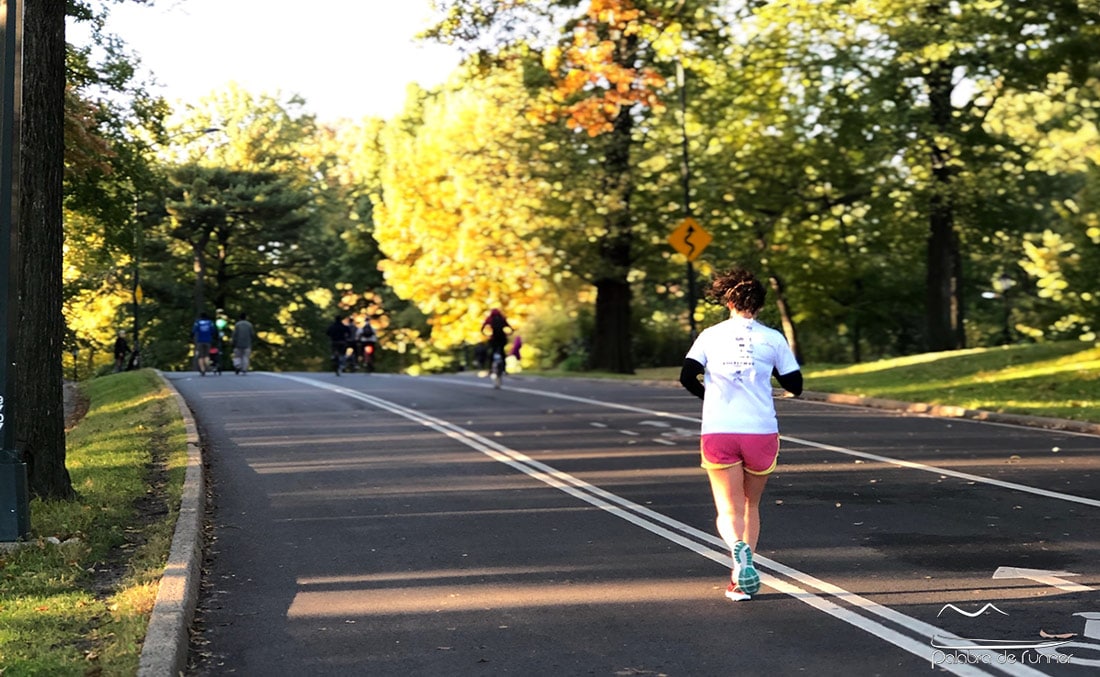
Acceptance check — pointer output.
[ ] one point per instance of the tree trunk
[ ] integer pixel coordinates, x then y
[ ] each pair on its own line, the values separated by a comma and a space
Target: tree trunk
221, 272
855, 331
942, 282
785, 316
199, 254
944, 274
611, 345
40, 430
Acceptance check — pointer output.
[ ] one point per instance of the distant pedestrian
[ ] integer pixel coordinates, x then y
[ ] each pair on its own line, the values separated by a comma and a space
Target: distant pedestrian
739, 440
202, 333
244, 335
122, 349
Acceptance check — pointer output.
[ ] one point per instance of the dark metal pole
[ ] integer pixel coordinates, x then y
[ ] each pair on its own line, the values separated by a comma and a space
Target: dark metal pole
14, 503
135, 355
685, 178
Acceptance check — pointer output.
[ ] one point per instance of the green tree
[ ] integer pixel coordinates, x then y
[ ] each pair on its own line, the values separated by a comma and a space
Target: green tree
603, 77
228, 222
932, 72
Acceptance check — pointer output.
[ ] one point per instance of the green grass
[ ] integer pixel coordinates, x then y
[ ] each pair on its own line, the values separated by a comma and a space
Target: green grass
81, 606
1057, 380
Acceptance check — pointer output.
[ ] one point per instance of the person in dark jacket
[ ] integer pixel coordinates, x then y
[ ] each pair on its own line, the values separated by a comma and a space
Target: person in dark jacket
122, 349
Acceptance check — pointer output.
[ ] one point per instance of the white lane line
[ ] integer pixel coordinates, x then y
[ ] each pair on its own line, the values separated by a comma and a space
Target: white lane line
1045, 493
952, 420
678, 532
1052, 578
1070, 498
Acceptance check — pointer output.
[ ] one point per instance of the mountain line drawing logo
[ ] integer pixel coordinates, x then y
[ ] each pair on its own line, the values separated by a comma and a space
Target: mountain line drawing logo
978, 643
975, 614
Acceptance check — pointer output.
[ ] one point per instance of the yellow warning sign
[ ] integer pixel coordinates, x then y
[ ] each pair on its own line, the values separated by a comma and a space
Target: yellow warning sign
689, 238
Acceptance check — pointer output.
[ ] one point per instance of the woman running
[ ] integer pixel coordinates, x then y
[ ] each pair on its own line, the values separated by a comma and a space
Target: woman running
739, 439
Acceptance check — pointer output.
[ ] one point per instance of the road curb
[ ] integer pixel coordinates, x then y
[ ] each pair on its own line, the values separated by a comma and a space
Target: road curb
164, 652
948, 411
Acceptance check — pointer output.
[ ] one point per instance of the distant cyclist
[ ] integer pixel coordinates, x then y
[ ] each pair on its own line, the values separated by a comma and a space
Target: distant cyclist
339, 336
367, 344
499, 329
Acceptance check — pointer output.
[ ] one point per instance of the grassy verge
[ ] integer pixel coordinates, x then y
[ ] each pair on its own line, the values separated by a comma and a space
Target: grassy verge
77, 600
1057, 380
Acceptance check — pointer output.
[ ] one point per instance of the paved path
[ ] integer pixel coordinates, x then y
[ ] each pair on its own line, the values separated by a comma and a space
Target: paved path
388, 525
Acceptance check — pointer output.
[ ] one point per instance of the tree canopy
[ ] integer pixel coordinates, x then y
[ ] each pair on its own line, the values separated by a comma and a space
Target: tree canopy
884, 164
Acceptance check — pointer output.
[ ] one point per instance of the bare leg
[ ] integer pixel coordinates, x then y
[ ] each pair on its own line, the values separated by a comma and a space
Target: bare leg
727, 485
753, 490
737, 501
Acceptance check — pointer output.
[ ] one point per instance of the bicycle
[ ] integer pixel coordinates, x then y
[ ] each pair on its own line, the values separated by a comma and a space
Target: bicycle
368, 357
496, 369
338, 356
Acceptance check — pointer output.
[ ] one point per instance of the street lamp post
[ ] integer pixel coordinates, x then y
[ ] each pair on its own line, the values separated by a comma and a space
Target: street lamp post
685, 181
14, 500
135, 355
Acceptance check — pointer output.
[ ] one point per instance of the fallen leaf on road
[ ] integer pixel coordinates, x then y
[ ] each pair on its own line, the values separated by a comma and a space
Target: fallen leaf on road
1066, 635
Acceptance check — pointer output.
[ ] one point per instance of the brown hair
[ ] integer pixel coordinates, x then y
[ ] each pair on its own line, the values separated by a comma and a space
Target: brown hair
739, 287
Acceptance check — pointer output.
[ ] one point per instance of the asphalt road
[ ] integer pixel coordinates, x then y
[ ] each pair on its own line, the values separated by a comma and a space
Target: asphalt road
390, 525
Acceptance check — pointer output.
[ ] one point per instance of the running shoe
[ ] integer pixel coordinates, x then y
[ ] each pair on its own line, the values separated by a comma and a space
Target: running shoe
736, 595
748, 580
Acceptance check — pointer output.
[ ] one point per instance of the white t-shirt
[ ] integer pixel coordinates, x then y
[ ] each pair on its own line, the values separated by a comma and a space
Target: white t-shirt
739, 355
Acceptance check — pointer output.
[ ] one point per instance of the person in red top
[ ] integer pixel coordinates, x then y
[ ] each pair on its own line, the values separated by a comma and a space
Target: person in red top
498, 339
499, 330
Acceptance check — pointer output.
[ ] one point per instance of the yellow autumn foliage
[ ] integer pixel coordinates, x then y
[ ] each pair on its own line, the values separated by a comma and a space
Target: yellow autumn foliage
595, 78
456, 220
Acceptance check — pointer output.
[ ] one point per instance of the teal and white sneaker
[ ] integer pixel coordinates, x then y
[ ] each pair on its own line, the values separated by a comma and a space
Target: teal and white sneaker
748, 579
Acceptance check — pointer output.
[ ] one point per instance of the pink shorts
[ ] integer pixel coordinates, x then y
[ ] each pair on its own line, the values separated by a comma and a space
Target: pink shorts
758, 453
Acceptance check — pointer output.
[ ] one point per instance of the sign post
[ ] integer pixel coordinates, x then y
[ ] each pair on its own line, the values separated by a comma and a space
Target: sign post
14, 506
690, 239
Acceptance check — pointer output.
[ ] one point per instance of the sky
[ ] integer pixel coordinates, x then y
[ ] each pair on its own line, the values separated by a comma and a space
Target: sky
347, 58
